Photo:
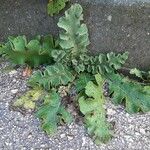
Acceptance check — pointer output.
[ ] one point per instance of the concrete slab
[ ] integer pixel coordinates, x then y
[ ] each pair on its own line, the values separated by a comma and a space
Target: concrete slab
114, 25
118, 2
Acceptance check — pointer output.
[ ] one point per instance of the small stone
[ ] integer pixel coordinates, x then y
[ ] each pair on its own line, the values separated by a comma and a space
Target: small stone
29, 136
12, 72
70, 137
1, 128
110, 112
137, 134
14, 80
70, 126
127, 114
14, 91
42, 145
83, 141
109, 18
62, 135
8, 144
142, 131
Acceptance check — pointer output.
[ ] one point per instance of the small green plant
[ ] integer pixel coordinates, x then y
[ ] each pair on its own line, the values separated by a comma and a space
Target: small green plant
55, 6
72, 65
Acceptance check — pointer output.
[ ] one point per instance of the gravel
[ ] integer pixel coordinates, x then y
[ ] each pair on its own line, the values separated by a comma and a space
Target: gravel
22, 132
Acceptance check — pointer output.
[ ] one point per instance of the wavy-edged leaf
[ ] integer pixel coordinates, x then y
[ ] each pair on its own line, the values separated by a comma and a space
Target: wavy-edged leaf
54, 75
116, 61
93, 109
34, 52
137, 72
99, 64
52, 113
140, 74
19, 43
74, 37
59, 55
136, 96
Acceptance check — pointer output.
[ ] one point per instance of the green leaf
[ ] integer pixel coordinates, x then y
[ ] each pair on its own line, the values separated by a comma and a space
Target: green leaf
52, 113
18, 43
82, 81
54, 75
140, 74
28, 100
99, 64
136, 72
34, 45
93, 109
136, 96
64, 116
74, 37
34, 52
58, 55
116, 61
48, 44
55, 6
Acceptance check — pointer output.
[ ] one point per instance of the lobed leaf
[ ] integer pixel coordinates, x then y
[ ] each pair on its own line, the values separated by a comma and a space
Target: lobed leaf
93, 109
52, 113
74, 37
54, 75
140, 74
136, 96
99, 64
34, 52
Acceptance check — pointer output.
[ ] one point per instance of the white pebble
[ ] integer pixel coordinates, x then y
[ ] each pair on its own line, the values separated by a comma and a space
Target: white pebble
110, 112
83, 141
70, 137
14, 91
62, 135
109, 18
12, 72
142, 131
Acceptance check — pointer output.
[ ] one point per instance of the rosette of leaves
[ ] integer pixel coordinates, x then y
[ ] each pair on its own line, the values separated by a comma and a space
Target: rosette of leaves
52, 76
135, 96
33, 53
99, 64
55, 6
92, 106
74, 36
52, 113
